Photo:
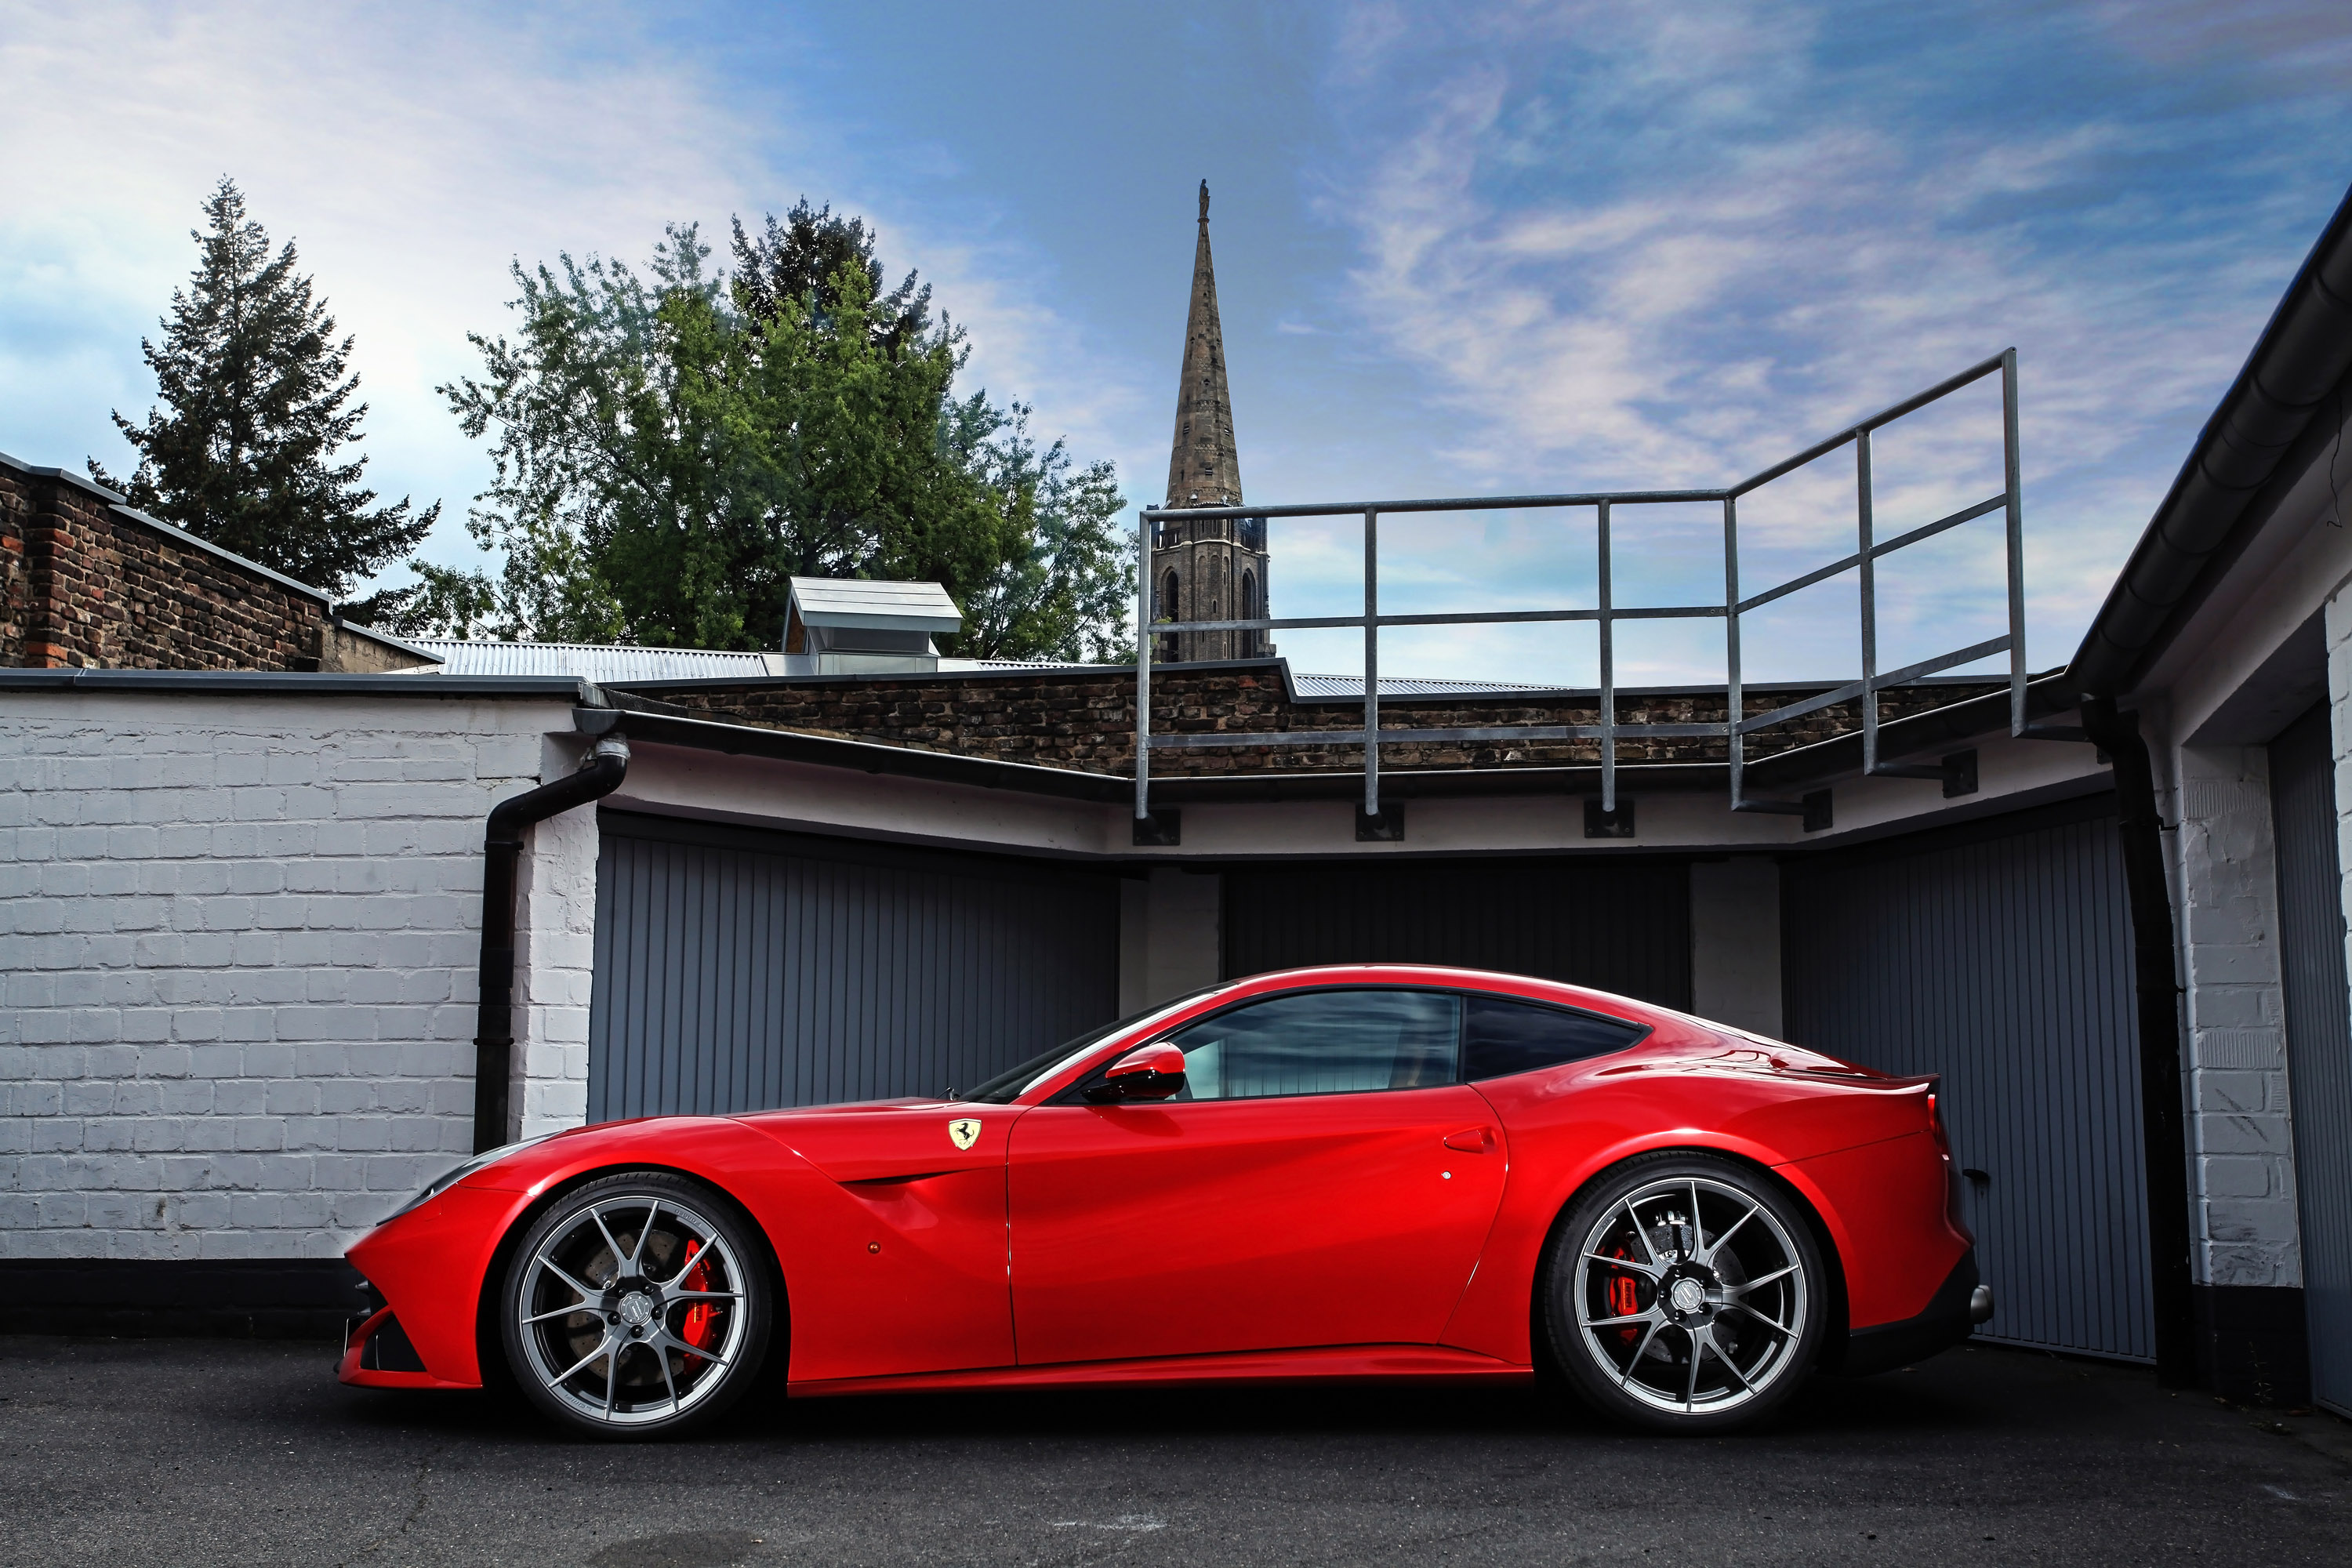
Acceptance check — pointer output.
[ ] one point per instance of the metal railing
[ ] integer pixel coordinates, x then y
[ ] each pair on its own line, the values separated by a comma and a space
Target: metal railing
1739, 724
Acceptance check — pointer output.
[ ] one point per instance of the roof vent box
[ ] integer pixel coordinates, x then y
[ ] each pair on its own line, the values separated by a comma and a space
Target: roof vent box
851, 627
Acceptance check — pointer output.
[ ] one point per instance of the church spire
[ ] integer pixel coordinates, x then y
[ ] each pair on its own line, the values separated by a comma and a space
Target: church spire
1208, 569
1204, 469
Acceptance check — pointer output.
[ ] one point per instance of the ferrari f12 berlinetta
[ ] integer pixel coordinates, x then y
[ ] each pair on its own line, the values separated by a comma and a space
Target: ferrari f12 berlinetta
1371, 1171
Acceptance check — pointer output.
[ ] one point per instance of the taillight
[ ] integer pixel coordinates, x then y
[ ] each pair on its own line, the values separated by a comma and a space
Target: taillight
1936, 1125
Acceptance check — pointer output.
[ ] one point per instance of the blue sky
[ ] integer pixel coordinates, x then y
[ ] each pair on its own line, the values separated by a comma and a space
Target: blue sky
1462, 249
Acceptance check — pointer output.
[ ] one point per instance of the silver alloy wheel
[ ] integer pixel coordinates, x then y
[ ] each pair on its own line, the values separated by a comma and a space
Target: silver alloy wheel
632, 1312
1690, 1297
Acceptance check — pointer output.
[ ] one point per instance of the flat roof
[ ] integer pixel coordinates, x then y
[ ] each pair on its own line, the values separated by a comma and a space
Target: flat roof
299, 683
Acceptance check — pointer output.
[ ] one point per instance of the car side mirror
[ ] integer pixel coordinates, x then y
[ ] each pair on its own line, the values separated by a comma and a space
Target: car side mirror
1148, 1072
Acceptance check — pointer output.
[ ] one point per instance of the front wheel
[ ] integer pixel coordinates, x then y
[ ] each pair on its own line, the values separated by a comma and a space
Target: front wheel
636, 1307
1684, 1293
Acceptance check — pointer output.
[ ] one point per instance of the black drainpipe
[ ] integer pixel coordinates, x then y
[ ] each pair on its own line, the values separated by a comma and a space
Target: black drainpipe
600, 775
2139, 831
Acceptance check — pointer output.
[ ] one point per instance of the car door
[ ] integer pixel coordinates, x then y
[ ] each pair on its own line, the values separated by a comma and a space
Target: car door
1322, 1179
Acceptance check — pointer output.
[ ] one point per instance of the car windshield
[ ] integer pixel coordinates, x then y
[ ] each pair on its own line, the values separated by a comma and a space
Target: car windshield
1006, 1087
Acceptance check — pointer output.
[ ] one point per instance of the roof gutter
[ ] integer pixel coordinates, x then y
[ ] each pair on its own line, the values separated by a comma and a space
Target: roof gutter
2301, 357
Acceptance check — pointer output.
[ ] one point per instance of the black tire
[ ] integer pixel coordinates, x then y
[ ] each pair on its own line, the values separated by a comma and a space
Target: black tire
1677, 1327
665, 1277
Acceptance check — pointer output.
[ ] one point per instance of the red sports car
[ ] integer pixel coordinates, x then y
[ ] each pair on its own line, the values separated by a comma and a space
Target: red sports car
1377, 1171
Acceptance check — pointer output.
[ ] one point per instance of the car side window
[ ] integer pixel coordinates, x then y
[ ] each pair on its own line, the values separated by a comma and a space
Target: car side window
1322, 1042
1500, 1037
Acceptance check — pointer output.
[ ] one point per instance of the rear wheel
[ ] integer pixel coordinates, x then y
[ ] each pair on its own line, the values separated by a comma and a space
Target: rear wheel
637, 1306
1684, 1293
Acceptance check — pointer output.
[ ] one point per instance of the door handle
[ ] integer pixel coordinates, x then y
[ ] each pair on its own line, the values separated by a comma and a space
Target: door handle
1472, 1141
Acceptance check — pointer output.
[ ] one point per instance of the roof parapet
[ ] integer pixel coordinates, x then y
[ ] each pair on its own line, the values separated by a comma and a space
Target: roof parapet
120, 507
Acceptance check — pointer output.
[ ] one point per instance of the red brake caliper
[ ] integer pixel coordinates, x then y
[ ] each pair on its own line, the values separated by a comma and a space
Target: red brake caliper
700, 1327
1624, 1298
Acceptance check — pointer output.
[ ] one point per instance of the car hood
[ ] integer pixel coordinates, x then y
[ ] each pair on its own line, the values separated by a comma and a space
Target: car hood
890, 1139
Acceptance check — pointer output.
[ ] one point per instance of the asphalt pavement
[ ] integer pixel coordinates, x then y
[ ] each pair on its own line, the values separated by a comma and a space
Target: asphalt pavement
198, 1452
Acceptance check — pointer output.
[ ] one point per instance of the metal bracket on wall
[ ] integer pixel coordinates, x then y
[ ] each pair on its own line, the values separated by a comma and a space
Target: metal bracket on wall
1163, 830
1600, 823
1957, 772
1960, 769
1819, 818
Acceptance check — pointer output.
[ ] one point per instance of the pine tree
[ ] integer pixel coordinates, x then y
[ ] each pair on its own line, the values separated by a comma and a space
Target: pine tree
249, 453
801, 260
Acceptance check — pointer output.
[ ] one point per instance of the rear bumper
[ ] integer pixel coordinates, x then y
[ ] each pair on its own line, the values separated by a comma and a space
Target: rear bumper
1960, 1304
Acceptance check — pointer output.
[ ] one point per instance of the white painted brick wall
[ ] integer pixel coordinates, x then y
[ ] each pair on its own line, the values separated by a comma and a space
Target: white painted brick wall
2240, 1137
238, 939
556, 950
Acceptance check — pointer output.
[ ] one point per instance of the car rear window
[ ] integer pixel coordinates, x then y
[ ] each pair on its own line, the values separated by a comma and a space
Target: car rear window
1500, 1037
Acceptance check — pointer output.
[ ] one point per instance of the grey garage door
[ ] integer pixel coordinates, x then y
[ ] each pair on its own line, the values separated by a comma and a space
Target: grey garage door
2318, 1040
739, 970
1999, 955
1619, 925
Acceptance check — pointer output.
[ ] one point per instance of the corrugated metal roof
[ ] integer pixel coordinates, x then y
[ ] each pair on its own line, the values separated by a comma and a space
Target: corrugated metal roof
619, 665
953, 665
592, 661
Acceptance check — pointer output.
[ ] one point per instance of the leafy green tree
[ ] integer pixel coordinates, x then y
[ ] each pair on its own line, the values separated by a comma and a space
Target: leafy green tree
1064, 594
668, 449
251, 454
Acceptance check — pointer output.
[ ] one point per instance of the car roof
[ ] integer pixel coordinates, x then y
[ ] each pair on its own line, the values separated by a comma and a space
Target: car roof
1449, 976
1180, 1011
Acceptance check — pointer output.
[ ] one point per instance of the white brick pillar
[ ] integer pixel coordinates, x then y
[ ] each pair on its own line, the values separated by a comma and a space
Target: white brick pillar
555, 942
2240, 1143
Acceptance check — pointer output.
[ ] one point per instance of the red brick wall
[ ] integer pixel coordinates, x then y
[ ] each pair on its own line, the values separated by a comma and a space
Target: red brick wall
88, 586
1085, 719
14, 510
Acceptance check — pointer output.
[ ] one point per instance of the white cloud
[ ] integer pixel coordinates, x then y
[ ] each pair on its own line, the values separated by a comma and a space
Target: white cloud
410, 157
1660, 248
412, 153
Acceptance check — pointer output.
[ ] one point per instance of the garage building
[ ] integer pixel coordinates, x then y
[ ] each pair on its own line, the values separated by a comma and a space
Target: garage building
245, 914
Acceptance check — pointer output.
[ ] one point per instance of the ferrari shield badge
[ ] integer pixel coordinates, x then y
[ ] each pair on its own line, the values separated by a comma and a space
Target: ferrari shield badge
964, 1132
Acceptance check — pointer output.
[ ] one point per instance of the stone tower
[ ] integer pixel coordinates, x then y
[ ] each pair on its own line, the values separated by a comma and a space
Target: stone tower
1216, 570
